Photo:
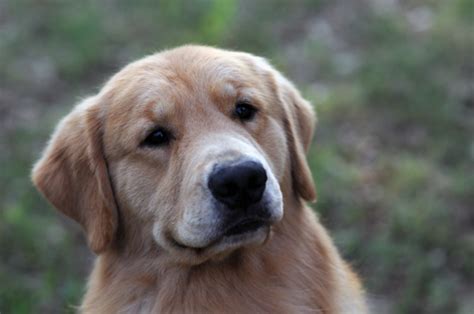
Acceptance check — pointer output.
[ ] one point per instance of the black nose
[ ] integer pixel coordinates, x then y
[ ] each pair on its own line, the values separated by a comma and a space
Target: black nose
240, 185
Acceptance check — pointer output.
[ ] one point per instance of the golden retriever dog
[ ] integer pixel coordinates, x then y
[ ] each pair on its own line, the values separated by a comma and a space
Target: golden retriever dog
188, 174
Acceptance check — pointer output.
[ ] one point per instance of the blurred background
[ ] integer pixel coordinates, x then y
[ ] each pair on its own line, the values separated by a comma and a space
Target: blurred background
393, 154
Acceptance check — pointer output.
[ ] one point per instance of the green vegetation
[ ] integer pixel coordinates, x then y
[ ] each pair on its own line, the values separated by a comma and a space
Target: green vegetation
393, 156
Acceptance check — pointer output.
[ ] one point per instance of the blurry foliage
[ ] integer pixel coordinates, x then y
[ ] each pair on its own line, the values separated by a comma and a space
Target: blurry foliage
393, 157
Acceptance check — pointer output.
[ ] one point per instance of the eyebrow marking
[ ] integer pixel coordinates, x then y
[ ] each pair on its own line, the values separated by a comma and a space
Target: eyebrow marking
229, 90
222, 92
149, 110
157, 110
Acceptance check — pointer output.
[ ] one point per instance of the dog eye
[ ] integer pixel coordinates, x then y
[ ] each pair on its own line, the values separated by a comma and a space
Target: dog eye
158, 137
244, 111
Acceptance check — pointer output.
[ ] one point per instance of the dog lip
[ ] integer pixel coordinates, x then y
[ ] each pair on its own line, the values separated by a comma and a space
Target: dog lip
245, 225
235, 230
240, 228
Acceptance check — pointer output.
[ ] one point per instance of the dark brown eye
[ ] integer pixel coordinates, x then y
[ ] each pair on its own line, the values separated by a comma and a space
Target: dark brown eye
158, 137
244, 111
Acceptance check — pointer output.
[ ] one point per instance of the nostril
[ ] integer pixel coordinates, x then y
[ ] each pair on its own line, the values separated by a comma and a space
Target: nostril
221, 186
257, 179
239, 185
226, 189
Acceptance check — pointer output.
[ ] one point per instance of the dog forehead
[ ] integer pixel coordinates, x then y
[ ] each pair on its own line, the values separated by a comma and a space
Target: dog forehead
170, 84
178, 77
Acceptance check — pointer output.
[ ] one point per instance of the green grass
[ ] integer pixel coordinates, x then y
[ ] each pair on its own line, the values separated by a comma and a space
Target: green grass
393, 156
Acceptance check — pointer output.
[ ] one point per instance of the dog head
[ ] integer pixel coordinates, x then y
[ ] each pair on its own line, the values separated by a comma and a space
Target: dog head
194, 148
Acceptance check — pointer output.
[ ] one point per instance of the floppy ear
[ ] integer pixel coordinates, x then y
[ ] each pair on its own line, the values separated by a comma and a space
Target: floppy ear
299, 123
72, 174
299, 120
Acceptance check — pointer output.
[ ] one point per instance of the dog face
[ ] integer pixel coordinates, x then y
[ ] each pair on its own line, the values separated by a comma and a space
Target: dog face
190, 147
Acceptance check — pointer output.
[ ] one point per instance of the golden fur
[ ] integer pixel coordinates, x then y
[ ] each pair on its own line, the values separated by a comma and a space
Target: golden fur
131, 201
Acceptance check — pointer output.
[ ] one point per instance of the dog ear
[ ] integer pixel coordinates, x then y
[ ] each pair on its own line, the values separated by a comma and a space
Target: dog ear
299, 124
72, 174
299, 121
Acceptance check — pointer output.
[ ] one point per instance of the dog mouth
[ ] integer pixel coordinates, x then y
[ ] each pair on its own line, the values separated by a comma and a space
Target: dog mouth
244, 226
240, 232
